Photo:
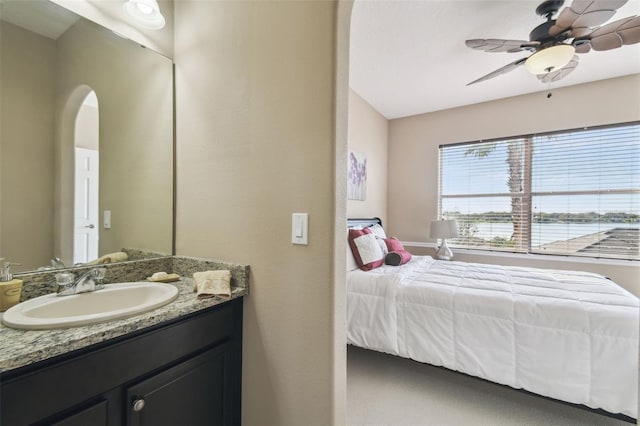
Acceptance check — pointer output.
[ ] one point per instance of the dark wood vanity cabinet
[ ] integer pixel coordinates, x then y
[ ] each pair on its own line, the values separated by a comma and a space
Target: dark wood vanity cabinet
183, 372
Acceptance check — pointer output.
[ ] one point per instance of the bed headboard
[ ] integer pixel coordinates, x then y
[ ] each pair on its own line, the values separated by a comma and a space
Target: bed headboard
364, 223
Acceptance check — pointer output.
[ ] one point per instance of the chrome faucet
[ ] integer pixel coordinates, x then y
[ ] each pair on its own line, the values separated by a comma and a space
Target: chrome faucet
89, 281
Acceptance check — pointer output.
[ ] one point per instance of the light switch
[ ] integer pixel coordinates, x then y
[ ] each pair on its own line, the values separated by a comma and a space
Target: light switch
106, 219
300, 228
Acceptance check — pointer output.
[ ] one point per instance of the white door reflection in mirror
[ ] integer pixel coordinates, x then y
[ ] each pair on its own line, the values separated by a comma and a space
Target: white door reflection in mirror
87, 169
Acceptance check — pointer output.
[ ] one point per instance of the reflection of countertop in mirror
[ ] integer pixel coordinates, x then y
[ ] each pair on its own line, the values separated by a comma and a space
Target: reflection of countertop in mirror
23, 347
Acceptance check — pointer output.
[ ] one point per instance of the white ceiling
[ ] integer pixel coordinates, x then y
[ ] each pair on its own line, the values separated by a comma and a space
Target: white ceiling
409, 57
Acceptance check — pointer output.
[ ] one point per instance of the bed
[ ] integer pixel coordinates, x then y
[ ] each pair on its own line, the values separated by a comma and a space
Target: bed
568, 335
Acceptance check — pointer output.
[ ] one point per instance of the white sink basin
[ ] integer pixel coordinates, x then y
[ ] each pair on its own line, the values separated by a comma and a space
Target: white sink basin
115, 301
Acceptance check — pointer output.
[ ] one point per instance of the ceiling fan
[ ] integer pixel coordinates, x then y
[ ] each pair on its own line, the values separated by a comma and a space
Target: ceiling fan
577, 29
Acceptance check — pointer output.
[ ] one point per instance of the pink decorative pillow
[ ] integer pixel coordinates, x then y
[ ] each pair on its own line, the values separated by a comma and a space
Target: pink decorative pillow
393, 244
397, 258
365, 249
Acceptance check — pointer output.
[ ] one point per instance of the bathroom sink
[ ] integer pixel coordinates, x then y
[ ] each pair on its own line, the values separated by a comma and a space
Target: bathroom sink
115, 301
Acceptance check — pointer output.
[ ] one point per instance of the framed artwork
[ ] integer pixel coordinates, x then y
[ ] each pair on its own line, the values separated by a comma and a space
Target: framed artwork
357, 175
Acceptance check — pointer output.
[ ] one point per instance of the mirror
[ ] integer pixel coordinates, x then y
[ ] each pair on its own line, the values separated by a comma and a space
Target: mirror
52, 60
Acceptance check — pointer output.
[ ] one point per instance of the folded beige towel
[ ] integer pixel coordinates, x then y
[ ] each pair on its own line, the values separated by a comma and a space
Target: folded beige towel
118, 256
212, 283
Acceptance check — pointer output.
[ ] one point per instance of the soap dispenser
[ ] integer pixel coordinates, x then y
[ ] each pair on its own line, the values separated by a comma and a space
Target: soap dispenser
10, 288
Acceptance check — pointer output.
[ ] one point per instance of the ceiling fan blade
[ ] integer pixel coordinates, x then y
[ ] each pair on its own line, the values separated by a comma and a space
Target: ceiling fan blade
500, 45
616, 34
583, 15
554, 76
500, 71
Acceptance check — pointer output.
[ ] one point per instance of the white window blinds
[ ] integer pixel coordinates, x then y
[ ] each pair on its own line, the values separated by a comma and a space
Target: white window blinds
565, 193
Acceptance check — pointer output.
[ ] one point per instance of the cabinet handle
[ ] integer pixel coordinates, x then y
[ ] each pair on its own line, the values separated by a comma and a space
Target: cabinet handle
138, 404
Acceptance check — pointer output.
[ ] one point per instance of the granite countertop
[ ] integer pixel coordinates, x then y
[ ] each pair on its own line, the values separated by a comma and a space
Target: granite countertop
23, 347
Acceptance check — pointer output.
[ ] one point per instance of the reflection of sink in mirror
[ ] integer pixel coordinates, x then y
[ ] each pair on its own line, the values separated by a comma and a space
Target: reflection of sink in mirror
115, 301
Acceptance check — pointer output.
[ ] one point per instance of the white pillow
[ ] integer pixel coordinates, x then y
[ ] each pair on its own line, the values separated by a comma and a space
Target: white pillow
351, 261
378, 231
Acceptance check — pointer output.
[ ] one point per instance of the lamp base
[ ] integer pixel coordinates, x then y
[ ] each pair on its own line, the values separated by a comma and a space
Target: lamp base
444, 252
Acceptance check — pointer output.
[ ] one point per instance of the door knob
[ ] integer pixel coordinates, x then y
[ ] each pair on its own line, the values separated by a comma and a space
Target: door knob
138, 405
91, 226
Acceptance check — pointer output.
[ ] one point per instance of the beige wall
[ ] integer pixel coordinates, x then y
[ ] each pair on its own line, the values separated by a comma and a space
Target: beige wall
413, 154
368, 135
27, 84
339, 309
255, 90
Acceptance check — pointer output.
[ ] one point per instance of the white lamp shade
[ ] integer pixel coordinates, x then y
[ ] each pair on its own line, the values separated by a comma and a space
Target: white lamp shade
550, 59
444, 229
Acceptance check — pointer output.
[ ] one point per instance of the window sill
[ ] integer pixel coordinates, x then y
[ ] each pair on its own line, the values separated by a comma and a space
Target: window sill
525, 256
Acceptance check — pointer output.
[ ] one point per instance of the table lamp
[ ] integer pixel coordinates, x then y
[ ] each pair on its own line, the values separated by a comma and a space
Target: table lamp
444, 229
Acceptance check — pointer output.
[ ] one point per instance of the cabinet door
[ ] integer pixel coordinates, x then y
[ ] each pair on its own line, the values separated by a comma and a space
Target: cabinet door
195, 392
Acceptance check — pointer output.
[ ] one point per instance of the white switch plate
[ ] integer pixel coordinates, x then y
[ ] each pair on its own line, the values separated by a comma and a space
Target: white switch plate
300, 228
106, 219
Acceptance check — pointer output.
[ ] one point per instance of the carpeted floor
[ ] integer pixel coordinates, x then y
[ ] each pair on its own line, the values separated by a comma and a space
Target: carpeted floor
387, 390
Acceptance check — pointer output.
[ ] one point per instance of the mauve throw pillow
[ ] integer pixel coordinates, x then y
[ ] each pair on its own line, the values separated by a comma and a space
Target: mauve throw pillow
365, 249
393, 244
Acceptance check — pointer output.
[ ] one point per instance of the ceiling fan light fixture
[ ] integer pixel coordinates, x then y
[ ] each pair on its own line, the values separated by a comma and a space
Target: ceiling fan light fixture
550, 59
146, 13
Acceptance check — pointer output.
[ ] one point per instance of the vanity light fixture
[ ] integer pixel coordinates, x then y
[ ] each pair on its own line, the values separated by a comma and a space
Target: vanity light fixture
146, 13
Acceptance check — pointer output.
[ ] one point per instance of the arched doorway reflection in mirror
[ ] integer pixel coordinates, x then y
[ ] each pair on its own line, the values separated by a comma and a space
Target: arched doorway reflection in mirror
87, 172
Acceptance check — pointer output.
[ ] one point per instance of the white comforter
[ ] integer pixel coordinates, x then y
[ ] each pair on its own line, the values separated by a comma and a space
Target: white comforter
572, 336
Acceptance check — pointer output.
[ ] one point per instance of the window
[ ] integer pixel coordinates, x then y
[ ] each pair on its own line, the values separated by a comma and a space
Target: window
564, 193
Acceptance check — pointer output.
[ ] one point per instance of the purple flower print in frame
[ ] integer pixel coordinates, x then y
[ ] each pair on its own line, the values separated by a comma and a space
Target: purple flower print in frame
357, 175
